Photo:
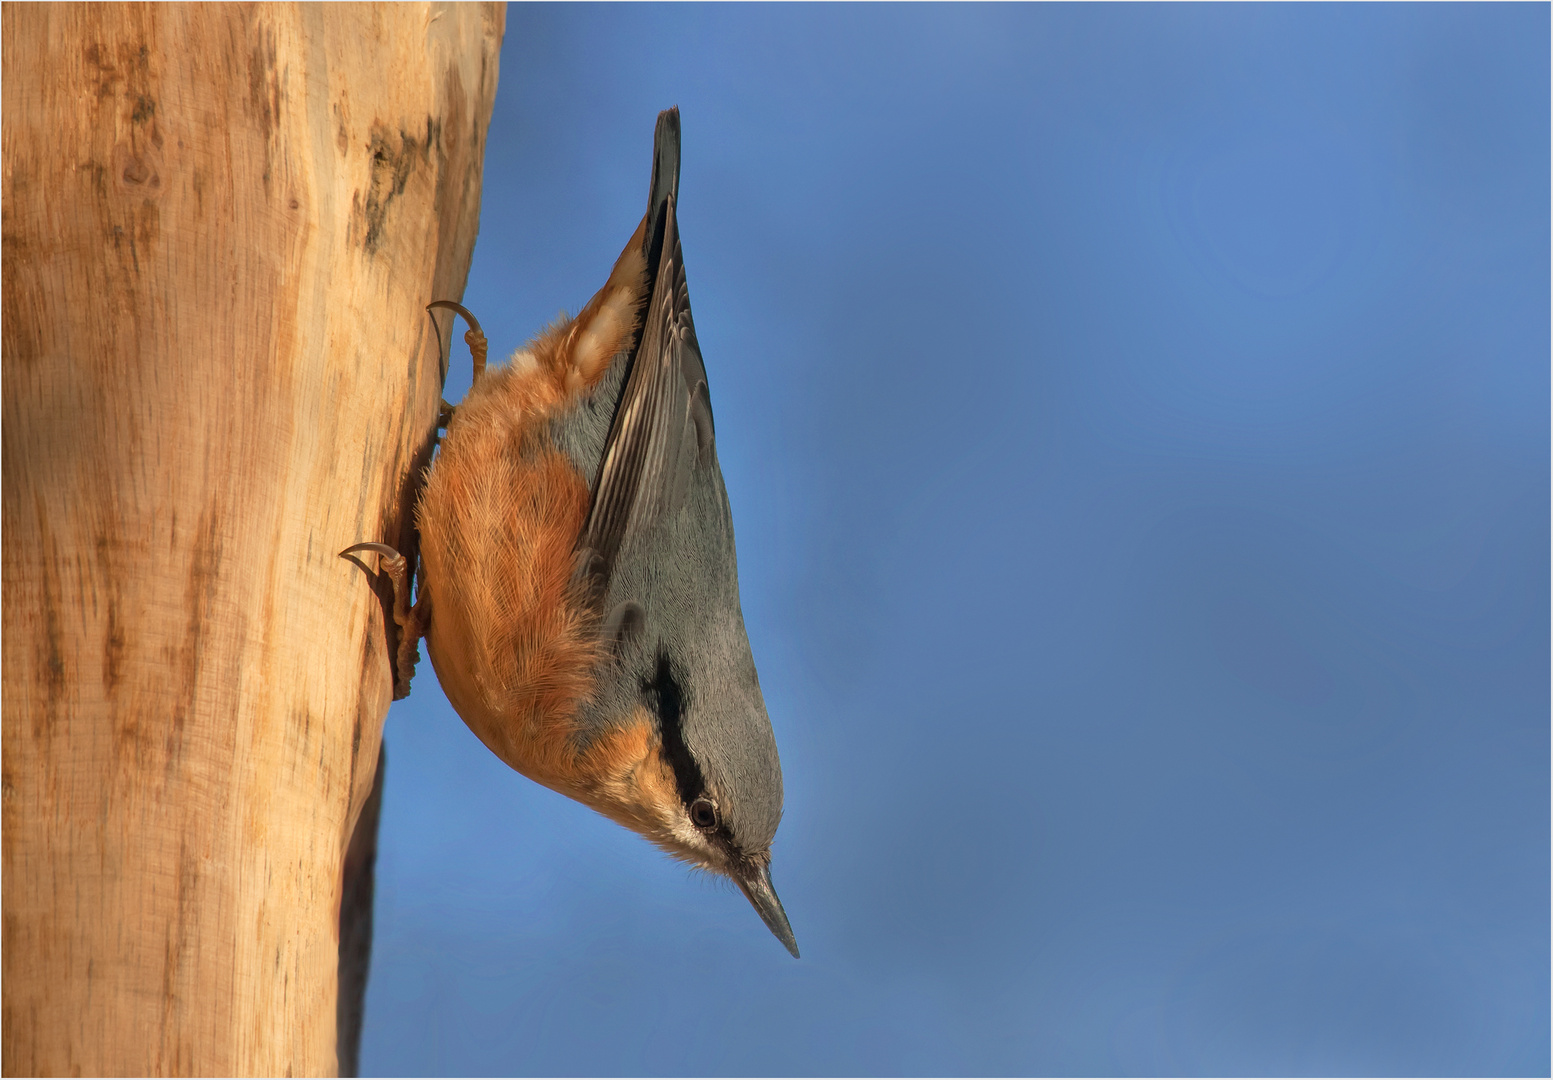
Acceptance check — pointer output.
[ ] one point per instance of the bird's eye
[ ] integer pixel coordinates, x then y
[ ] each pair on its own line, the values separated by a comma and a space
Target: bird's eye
703, 814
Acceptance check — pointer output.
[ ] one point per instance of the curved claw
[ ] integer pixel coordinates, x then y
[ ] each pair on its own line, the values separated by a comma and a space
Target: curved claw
474, 337
453, 305
408, 619
382, 549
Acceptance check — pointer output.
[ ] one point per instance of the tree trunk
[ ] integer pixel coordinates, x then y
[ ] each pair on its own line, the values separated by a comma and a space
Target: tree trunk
221, 227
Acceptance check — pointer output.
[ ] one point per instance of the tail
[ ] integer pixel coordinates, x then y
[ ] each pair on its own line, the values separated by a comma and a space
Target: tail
665, 185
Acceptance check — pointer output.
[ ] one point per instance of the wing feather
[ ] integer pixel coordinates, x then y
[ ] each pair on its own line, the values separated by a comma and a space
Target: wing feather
653, 445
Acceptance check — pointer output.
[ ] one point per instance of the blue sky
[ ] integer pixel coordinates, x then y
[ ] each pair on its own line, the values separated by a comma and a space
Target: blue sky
1136, 426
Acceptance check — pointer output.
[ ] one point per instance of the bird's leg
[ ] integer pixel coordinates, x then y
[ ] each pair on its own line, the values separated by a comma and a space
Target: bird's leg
410, 620
474, 337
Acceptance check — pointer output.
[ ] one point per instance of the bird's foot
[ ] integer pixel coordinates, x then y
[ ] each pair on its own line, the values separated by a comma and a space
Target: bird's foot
407, 618
474, 337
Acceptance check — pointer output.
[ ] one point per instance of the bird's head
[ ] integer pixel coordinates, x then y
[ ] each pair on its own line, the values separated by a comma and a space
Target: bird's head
684, 753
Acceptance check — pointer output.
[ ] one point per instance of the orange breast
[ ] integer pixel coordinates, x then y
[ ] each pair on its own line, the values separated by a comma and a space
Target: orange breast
513, 644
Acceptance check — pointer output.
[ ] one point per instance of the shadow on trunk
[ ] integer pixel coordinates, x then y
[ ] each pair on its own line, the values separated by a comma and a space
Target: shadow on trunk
356, 926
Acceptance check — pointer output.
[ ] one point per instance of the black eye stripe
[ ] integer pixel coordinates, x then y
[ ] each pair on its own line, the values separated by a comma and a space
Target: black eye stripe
664, 693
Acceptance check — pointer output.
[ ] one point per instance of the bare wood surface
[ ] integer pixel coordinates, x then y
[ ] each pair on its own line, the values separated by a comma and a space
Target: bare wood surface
221, 226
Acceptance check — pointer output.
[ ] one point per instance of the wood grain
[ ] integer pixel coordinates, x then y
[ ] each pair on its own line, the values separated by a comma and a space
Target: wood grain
221, 225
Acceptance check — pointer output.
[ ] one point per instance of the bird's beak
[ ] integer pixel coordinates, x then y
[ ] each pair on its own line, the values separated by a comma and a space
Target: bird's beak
757, 886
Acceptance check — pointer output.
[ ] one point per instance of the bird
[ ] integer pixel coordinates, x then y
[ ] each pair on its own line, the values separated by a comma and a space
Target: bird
578, 589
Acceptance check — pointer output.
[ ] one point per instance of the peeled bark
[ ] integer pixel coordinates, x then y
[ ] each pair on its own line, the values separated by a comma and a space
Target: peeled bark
221, 227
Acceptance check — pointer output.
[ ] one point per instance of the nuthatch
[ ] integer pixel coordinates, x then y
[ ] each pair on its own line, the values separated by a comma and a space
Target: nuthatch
579, 592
